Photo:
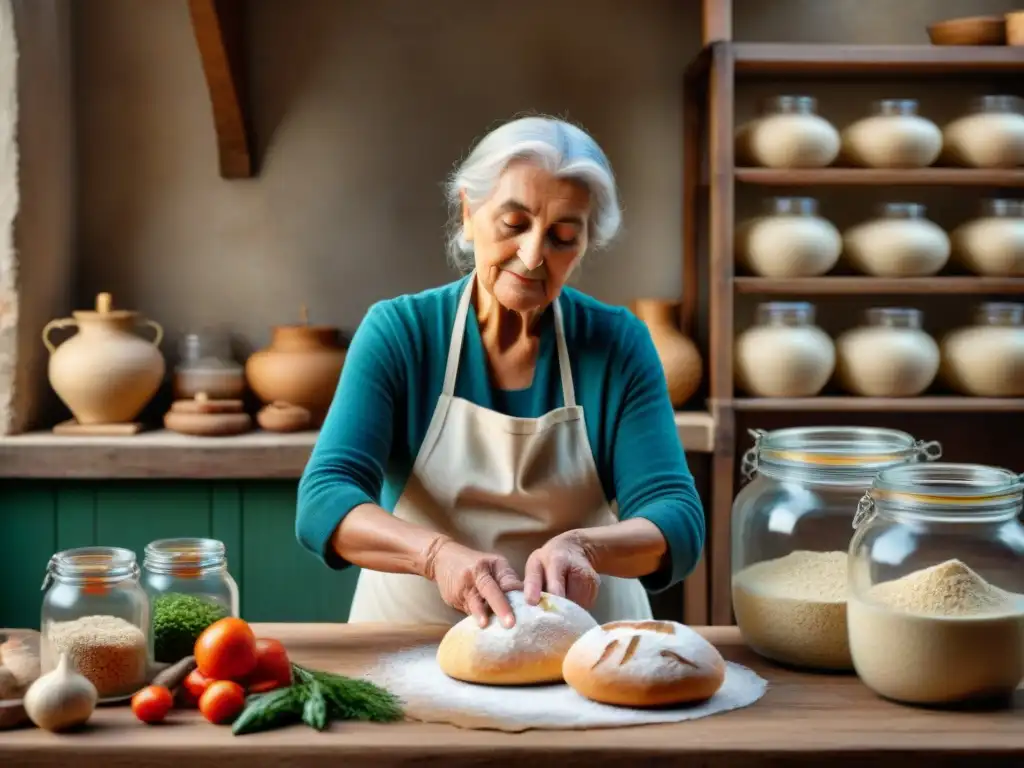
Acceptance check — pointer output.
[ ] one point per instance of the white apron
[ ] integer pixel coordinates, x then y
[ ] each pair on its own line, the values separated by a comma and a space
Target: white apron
497, 484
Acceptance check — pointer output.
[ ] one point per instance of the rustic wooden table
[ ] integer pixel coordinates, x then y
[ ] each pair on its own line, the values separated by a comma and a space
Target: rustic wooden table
803, 719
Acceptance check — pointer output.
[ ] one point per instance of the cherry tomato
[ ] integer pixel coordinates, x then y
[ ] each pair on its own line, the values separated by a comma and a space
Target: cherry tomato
222, 702
194, 687
273, 667
152, 703
226, 650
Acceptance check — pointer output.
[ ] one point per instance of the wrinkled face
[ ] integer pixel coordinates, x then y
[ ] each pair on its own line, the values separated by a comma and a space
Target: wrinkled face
528, 236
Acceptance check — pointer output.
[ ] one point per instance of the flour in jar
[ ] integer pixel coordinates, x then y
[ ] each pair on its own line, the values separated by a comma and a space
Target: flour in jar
940, 635
792, 609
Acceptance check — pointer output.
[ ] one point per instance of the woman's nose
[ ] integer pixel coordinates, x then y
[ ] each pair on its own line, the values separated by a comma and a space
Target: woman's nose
531, 253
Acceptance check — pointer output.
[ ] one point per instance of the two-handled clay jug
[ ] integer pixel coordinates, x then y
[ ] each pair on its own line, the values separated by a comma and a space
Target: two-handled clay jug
301, 367
105, 373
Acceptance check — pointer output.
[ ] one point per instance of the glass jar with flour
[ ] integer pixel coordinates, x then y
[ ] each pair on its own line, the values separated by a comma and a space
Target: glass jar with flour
788, 133
791, 534
993, 243
990, 135
789, 239
894, 135
899, 242
784, 354
986, 359
95, 611
936, 578
891, 355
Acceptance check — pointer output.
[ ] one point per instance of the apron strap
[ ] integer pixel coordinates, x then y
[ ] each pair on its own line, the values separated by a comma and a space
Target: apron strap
568, 390
459, 332
451, 371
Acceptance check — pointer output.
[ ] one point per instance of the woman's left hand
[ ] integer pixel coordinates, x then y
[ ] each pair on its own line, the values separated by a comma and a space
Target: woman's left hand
562, 567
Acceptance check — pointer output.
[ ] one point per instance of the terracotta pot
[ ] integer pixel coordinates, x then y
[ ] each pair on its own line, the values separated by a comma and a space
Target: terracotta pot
301, 366
105, 374
679, 355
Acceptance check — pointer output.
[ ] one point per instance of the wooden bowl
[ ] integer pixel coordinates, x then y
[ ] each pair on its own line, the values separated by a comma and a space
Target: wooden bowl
971, 30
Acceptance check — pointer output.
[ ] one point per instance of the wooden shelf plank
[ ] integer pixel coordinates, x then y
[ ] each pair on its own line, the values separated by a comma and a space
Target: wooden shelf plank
824, 59
883, 404
219, 32
696, 431
162, 454
842, 284
881, 177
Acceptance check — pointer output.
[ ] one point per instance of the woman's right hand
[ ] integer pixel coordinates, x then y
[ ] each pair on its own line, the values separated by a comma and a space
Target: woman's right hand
472, 582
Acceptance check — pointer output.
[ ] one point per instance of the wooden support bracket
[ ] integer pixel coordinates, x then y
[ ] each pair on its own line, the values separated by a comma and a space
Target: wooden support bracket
219, 30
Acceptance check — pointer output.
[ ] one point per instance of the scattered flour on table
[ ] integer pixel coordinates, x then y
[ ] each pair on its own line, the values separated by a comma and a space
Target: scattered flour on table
793, 609
937, 636
429, 695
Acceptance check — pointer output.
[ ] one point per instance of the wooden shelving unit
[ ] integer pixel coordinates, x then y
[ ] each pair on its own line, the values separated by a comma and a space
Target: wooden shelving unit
710, 181
161, 454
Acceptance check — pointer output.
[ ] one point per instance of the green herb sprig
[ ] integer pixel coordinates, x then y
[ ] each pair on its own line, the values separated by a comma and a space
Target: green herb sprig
316, 698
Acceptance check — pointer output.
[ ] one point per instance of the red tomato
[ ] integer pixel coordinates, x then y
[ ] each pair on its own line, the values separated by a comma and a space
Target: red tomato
222, 702
226, 650
273, 667
152, 703
194, 687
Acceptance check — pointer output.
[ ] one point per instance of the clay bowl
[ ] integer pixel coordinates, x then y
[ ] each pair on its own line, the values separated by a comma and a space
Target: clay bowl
12, 714
971, 30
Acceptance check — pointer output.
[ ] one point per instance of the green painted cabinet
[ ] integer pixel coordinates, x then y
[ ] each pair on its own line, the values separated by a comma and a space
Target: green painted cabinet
277, 578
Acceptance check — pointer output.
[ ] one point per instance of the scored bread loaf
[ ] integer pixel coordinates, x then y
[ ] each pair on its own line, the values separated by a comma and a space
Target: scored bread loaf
528, 653
644, 664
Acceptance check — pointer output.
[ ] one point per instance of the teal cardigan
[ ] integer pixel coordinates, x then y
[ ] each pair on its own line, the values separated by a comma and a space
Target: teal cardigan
392, 378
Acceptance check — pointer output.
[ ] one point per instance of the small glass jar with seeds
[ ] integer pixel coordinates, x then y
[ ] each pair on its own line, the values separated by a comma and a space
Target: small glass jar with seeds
189, 587
95, 611
791, 533
936, 567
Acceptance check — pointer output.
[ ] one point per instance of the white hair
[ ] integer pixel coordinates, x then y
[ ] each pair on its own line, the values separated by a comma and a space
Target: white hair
555, 145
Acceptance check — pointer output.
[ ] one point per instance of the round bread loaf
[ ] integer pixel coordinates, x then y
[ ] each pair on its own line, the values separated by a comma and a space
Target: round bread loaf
644, 664
530, 652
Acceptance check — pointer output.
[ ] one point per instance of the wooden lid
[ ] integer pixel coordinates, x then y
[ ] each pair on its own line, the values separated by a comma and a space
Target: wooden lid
203, 404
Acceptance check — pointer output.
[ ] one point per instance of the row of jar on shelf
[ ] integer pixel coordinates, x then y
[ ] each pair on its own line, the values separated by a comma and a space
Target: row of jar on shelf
119, 634
789, 133
785, 354
106, 374
855, 549
791, 239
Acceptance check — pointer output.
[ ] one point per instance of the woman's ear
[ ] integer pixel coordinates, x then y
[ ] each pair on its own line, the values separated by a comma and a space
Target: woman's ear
467, 218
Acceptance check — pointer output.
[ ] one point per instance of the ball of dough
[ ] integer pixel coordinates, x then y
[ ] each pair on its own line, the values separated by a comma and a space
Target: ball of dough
530, 652
644, 664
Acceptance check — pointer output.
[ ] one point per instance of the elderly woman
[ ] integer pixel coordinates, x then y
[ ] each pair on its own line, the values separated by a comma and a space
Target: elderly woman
506, 432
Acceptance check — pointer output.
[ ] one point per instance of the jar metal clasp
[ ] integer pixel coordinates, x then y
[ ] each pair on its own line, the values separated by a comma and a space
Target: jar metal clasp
748, 466
930, 450
865, 510
48, 576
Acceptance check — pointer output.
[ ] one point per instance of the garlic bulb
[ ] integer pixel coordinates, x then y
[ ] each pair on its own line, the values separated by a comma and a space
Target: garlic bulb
60, 699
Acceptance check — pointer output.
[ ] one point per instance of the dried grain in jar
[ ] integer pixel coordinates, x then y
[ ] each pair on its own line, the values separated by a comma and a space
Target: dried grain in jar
784, 354
900, 242
789, 239
788, 133
936, 604
791, 530
893, 136
986, 359
990, 135
890, 356
95, 610
992, 244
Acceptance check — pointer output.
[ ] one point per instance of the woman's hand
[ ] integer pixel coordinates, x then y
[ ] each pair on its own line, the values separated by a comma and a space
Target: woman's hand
472, 582
562, 567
